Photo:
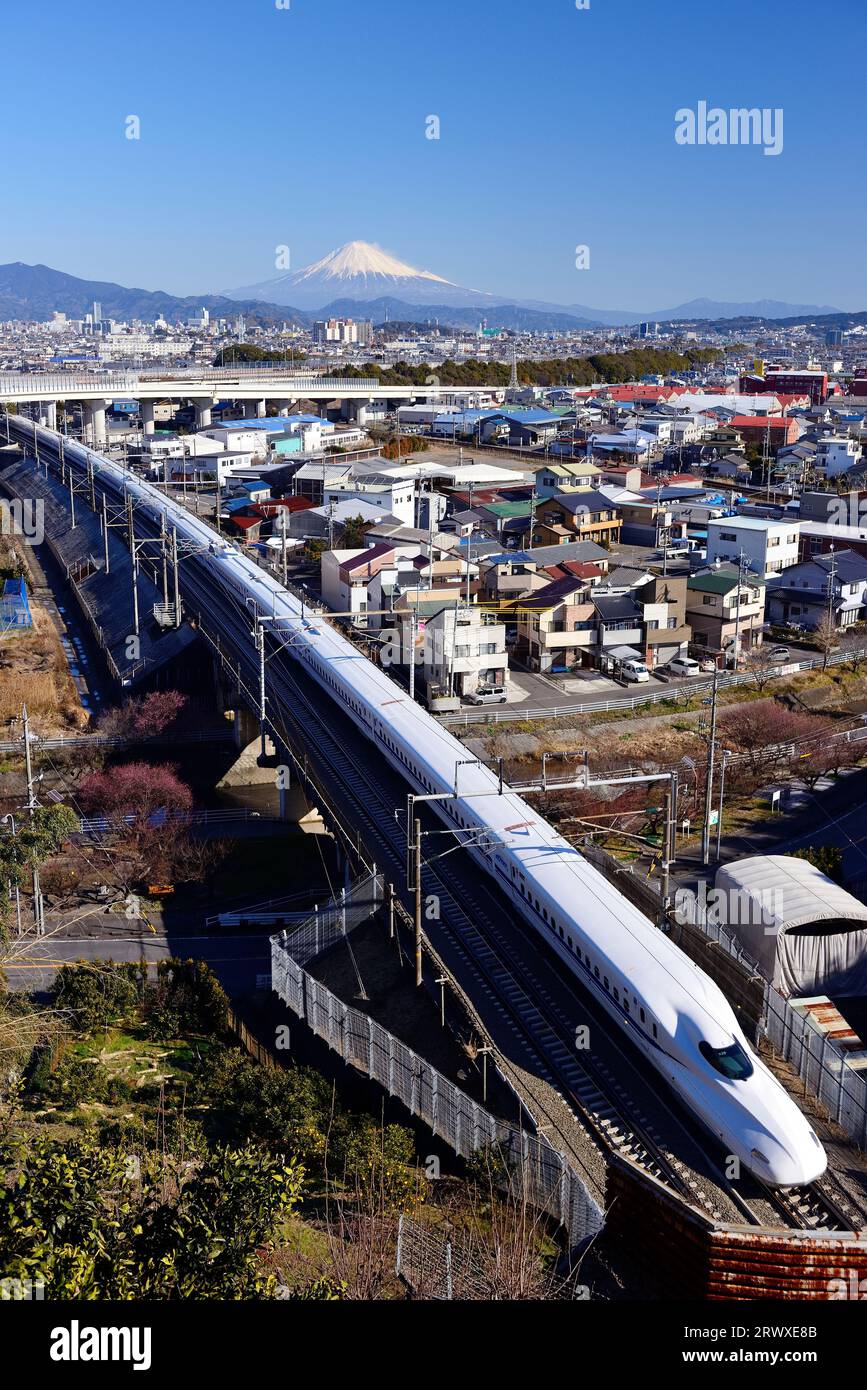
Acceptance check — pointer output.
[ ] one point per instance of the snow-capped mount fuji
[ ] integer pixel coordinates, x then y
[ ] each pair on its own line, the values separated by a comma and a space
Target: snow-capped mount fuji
361, 271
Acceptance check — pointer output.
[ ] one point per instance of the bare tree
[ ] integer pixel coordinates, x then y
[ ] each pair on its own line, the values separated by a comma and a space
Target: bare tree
826, 638
760, 666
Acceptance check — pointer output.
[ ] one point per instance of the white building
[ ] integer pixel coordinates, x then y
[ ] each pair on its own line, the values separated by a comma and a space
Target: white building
767, 546
239, 441
837, 454
458, 646
395, 496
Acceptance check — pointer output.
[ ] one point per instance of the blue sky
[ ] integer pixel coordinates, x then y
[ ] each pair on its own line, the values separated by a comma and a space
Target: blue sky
306, 127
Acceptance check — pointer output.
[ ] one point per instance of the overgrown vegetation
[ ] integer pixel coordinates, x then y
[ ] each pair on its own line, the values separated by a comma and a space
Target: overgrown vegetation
143, 1155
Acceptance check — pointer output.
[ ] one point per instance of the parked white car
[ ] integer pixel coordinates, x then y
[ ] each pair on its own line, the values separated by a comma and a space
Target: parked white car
683, 666
488, 695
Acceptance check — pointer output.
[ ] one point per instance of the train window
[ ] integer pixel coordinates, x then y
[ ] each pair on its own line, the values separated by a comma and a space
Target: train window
731, 1061
617, 994
586, 958
605, 981
654, 1030
641, 1015
596, 971
626, 1003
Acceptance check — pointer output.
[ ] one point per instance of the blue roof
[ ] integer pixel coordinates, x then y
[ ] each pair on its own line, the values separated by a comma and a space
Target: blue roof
532, 417
275, 423
463, 417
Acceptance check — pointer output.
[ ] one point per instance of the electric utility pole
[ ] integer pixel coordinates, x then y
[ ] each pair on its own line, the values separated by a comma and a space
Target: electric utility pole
38, 911
708, 791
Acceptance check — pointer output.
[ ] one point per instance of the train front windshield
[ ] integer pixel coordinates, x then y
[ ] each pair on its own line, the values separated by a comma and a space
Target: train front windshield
731, 1062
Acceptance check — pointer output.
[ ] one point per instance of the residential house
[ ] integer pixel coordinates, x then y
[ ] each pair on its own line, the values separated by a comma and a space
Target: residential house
620, 629
584, 516
557, 626
666, 631
570, 475
832, 585
732, 467
346, 575
651, 523
725, 610
522, 428
836, 454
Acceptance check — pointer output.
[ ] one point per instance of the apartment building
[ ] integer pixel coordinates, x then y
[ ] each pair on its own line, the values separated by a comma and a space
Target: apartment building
457, 646
767, 546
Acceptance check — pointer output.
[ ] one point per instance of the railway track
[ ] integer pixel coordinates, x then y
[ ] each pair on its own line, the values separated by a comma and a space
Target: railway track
526, 1007
602, 1101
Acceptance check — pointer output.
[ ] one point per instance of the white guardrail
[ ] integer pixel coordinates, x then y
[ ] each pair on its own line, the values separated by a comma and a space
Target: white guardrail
33, 386
516, 713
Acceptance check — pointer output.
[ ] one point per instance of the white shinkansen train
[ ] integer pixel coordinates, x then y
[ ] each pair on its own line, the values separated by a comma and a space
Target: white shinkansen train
671, 1011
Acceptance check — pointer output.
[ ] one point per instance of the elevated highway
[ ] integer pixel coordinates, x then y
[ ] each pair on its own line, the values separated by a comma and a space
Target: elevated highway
253, 386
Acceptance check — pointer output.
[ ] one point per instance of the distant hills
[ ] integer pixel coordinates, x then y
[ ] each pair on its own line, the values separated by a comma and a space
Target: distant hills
360, 281
35, 291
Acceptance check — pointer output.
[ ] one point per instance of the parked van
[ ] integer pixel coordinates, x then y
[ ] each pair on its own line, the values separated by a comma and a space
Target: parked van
634, 671
488, 695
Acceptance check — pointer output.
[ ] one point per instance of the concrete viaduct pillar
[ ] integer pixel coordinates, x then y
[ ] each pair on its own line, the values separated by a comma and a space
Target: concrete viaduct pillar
48, 414
147, 417
95, 431
284, 407
254, 410
204, 405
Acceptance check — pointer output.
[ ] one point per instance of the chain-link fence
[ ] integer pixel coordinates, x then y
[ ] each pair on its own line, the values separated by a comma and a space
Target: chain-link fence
823, 1066
459, 1266
550, 1183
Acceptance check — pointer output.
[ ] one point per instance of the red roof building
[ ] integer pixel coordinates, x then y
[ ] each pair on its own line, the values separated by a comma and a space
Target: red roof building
756, 428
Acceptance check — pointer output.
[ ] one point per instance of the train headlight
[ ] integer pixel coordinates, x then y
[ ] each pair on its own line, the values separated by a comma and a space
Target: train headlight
757, 1154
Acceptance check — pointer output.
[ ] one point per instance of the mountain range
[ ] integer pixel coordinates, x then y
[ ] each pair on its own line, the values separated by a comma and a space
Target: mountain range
360, 273
359, 280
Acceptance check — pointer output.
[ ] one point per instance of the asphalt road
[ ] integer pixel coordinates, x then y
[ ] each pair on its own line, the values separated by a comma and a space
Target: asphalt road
241, 961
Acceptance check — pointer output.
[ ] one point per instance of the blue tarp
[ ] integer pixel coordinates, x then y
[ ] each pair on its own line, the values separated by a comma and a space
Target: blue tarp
14, 607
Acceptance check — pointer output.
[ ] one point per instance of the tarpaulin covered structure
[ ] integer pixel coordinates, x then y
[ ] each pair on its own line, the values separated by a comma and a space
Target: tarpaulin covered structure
807, 934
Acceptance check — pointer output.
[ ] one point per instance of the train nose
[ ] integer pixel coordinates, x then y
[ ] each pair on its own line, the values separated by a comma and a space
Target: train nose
787, 1164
